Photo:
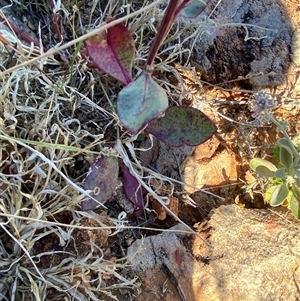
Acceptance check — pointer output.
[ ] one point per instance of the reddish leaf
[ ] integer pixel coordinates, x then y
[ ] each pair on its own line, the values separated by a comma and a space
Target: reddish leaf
102, 179
133, 190
114, 52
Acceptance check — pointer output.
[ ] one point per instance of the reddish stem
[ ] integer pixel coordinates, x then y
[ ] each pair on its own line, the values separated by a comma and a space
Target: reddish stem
167, 21
181, 6
22, 34
55, 21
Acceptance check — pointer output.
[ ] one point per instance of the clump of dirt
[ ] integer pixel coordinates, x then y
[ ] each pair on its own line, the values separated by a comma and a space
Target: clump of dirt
251, 51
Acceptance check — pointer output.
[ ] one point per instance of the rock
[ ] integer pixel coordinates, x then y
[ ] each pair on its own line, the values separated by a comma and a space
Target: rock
209, 167
165, 159
296, 47
254, 255
255, 45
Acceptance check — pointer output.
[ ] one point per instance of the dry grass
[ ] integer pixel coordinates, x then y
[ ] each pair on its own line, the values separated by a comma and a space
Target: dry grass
54, 110
55, 114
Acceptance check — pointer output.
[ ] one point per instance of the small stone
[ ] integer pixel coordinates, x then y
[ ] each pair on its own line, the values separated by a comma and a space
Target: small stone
216, 170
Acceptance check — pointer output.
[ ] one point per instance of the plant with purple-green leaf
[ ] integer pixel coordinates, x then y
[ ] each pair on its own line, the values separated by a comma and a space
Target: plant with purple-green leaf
284, 188
142, 104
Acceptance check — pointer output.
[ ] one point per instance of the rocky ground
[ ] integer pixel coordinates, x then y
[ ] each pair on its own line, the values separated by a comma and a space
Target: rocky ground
241, 249
252, 253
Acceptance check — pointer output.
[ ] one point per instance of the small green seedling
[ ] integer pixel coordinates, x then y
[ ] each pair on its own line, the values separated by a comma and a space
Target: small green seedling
284, 186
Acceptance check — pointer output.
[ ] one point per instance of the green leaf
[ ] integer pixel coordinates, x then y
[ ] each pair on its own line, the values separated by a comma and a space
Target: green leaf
287, 144
297, 171
279, 195
269, 193
280, 173
140, 102
289, 197
276, 155
295, 202
263, 167
193, 8
286, 153
277, 181
286, 158
182, 125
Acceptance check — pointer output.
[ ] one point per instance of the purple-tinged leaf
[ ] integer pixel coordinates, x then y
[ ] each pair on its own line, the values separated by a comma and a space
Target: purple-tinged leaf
193, 8
140, 102
113, 53
102, 180
133, 190
182, 125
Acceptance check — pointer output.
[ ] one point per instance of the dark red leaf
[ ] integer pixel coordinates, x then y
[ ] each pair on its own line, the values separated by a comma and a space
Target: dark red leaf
133, 190
113, 52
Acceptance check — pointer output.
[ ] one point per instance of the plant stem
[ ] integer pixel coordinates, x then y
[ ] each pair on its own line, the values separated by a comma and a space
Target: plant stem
181, 6
163, 30
22, 34
284, 132
55, 20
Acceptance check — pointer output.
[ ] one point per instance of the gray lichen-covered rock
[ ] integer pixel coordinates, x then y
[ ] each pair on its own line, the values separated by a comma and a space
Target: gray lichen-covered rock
254, 255
244, 39
296, 47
